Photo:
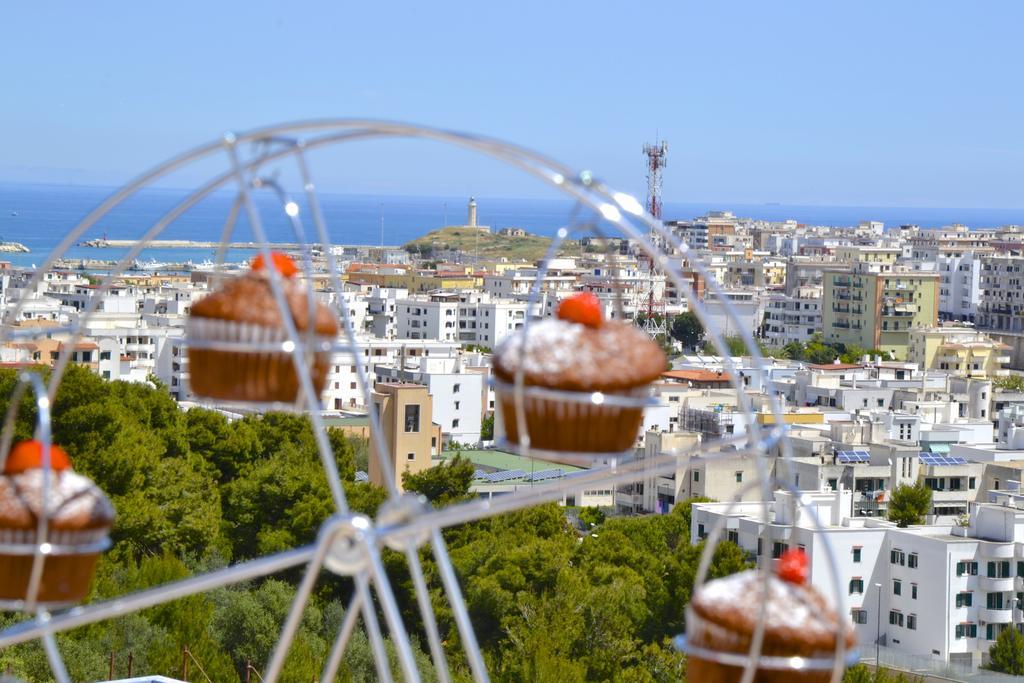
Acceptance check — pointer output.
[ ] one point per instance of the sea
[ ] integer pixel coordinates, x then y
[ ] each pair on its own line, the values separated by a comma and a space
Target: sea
40, 216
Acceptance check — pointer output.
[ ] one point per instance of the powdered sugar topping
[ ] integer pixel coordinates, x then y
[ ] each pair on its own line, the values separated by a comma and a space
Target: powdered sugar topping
550, 345
790, 605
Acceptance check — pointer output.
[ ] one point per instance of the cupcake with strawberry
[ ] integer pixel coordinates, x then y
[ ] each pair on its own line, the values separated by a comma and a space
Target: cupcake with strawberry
608, 365
799, 623
69, 513
234, 332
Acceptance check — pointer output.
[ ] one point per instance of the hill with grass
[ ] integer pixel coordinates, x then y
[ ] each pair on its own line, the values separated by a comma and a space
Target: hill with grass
487, 245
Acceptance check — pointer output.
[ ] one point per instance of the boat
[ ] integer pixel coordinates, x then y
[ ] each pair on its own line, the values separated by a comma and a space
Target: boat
151, 264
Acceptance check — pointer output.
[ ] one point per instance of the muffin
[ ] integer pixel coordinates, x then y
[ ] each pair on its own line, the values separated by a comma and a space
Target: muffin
243, 311
79, 517
578, 351
799, 622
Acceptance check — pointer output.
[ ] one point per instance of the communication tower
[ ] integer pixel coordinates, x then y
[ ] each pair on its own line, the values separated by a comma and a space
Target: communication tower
651, 300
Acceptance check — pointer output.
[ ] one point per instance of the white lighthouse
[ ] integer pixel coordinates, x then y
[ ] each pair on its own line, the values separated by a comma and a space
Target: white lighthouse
471, 220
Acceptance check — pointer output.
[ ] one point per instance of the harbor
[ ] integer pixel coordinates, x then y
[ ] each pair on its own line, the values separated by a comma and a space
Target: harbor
194, 244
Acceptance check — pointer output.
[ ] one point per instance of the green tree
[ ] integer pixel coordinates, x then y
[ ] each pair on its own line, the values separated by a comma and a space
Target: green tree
444, 483
487, 428
1009, 383
686, 329
1007, 653
592, 516
910, 503
860, 673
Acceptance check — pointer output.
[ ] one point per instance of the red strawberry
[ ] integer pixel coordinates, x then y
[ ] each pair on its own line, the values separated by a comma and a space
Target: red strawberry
792, 566
282, 263
28, 455
583, 308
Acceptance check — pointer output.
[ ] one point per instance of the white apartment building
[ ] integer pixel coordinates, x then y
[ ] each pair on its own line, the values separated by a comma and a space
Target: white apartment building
938, 591
456, 393
381, 305
436, 317
465, 318
1002, 294
793, 317
342, 391
959, 286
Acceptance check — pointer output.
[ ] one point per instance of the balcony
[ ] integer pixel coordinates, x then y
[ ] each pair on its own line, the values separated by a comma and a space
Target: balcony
991, 585
842, 324
997, 551
996, 616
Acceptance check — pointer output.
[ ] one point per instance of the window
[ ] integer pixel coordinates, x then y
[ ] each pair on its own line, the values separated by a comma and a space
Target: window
739, 477
971, 483
912, 622
994, 600
897, 587
779, 548
700, 531
965, 567
856, 586
965, 599
912, 561
896, 618
696, 475
897, 557
412, 418
1020, 570
913, 591
856, 554
859, 616
456, 405
733, 536
999, 570
411, 456
352, 385
104, 355
455, 423
455, 388
966, 631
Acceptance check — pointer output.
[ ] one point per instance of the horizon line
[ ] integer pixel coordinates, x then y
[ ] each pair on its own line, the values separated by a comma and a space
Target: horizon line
723, 204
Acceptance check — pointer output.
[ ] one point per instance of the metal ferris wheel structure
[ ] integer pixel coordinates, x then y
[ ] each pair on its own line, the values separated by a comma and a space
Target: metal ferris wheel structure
349, 544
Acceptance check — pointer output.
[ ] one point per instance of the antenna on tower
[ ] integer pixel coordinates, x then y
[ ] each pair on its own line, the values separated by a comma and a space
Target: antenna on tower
651, 300
657, 159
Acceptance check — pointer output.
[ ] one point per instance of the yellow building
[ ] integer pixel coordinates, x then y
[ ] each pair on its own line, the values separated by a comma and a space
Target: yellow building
875, 306
962, 350
856, 253
406, 414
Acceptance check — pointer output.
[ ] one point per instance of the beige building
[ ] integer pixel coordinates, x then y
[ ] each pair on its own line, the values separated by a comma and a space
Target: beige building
961, 350
874, 305
406, 413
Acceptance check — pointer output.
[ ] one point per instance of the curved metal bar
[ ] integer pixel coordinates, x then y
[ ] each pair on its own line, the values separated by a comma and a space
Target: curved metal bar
115, 607
583, 188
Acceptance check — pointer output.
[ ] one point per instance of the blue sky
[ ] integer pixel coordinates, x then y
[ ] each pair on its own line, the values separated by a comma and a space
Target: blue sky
856, 103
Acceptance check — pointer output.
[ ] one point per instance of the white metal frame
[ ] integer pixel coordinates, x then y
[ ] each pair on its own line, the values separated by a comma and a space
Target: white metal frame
350, 544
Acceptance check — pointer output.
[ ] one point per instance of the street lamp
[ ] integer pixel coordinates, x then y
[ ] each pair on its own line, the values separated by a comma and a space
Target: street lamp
878, 628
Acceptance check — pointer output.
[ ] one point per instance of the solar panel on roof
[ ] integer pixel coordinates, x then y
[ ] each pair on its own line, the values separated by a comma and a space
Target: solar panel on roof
853, 456
507, 475
939, 460
362, 476
479, 474
544, 475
